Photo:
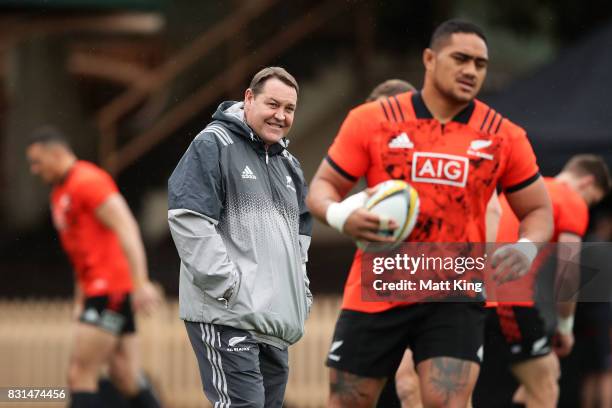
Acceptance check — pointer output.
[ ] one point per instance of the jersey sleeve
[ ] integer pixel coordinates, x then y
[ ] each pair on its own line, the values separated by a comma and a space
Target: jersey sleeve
348, 154
521, 166
95, 189
573, 216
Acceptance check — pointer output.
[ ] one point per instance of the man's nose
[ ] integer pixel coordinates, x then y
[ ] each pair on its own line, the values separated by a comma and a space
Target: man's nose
279, 114
469, 69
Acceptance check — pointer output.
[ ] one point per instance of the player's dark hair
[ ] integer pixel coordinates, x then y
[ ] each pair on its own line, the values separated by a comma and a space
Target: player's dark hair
260, 78
450, 27
48, 135
591, 164
389, 88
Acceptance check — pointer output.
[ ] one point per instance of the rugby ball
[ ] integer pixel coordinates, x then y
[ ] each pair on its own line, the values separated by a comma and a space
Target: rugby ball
393, 200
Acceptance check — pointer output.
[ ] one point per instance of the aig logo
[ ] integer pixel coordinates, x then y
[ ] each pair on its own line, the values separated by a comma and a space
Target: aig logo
440, 168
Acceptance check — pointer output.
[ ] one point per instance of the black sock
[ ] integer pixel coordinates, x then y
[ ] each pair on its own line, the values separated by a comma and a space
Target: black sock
144, 399
82, 399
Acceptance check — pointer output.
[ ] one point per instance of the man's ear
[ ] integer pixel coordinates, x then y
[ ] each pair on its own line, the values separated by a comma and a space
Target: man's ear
586, 181
429, 57
248, 97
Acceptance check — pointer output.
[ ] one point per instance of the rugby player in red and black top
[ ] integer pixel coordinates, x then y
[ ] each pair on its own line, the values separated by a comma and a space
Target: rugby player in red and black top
100, 236
517, 337
454, 150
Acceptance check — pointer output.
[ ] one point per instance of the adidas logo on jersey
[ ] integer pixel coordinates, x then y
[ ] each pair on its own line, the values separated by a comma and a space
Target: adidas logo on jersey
401, 141
247, 173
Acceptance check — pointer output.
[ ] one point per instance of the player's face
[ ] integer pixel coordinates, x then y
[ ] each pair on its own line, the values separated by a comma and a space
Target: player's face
43, 162
458, 67
270, 113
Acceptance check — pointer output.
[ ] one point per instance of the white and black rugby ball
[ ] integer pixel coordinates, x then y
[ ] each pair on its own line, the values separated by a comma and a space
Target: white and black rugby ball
393, 200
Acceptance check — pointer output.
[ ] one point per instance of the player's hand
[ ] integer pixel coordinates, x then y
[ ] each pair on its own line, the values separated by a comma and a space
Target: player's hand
146, 298
512, 261
362, 225
563, 343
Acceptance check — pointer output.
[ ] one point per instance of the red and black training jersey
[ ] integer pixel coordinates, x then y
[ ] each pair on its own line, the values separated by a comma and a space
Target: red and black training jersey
94, 250
455, 167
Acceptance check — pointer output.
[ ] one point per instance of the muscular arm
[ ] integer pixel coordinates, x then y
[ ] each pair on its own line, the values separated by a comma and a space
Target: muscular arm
116, 215
328, 187
567, 279
533, 208
567, 282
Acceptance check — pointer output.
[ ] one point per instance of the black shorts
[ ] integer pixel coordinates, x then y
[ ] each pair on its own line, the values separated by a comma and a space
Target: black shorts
514, 334
373, 344
112, 313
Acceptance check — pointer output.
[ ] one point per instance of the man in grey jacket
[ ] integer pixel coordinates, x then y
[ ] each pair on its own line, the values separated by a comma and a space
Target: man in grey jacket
242, 230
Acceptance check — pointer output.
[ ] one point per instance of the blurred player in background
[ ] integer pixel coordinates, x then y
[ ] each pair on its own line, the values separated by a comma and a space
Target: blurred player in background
101, 237
516, 333
594, 318
380, 140
389, 88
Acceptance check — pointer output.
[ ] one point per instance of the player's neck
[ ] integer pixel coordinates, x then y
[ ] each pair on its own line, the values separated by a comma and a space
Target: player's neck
567, 180
66, 166
440, 107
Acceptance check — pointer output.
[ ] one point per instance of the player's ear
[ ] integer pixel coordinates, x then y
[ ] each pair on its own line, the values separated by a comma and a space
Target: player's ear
586, 181
248, 97
428, 59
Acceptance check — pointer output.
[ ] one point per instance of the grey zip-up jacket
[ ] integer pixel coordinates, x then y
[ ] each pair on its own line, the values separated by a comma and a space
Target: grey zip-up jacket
239, 221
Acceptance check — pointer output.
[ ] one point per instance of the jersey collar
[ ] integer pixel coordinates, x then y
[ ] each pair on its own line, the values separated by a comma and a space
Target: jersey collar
422, 112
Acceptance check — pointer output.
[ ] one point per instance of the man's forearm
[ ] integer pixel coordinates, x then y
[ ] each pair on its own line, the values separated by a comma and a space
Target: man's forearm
133, 248
537, 226
321, 195
567, 278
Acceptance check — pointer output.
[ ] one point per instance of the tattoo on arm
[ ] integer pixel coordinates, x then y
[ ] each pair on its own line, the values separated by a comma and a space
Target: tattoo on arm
449, 376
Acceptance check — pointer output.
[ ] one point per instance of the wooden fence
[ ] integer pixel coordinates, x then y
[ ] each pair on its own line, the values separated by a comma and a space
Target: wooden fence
35, 337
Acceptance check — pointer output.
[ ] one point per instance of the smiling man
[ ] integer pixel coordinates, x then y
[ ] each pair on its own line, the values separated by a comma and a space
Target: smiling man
242, 231
454, 150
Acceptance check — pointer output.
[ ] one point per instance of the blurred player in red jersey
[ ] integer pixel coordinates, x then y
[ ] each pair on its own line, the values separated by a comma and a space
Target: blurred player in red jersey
408, 137
101, 237
516, 333
403, 390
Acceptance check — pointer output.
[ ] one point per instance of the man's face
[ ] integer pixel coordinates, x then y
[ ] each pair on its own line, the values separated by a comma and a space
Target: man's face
43, 161
458, 67
270, 113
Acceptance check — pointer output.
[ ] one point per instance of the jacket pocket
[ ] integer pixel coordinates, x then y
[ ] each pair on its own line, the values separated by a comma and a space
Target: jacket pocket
234, 296
229, 300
